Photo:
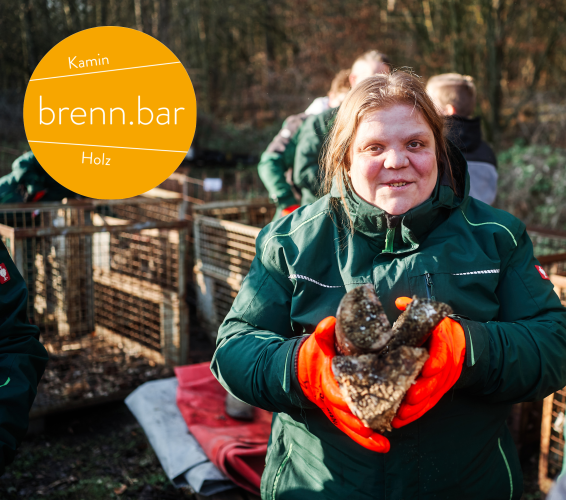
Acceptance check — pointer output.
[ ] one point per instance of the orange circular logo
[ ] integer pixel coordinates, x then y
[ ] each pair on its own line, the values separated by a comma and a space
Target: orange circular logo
110, 112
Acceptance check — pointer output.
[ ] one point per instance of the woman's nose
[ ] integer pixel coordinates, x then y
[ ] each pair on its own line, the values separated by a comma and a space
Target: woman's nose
395, 159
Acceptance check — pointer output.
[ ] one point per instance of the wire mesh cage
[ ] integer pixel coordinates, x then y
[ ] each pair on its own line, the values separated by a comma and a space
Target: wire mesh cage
256, 213
547, 241
106, 283
552, 439
224, 238
550, 249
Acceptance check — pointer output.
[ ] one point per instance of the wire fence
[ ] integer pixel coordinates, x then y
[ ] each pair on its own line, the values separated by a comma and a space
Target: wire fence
107, 284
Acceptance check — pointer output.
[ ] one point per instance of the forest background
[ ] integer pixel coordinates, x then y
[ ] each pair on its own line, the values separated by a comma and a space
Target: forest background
254, 62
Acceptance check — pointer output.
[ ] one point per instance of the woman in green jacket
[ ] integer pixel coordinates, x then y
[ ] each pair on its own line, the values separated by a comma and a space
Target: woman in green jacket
398, 216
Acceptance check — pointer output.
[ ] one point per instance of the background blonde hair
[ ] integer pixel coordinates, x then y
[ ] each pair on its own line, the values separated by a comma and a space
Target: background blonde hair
379, 92
455, 89
341, 84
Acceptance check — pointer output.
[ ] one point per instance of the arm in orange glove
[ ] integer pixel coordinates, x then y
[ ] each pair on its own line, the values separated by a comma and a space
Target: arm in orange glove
447, 349
314, 372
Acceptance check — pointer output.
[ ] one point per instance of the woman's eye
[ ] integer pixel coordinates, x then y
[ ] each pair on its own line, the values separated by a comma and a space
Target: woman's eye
414, 144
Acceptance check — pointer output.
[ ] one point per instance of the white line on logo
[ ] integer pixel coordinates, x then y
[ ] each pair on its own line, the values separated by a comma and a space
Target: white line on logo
105, 71
115, 147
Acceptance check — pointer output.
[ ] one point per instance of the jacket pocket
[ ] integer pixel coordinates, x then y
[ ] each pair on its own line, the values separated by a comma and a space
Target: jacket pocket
279, 472
469, 294
275, 461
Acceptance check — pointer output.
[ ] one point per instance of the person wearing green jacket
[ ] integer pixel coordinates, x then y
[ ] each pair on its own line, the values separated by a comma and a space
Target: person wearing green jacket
29, 182
312, 136
398, 216
277, 160
22, 359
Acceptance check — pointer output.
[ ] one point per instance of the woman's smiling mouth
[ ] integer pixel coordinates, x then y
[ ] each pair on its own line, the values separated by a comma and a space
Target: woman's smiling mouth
397, 184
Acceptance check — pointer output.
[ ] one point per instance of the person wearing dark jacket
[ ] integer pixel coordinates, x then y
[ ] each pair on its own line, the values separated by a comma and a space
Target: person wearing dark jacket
455, 97
397, 215
22, 359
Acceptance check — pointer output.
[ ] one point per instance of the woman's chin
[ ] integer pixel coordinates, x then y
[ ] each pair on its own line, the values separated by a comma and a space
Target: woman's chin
395, 207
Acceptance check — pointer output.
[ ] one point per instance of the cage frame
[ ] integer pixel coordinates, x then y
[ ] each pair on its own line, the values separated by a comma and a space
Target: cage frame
174, 333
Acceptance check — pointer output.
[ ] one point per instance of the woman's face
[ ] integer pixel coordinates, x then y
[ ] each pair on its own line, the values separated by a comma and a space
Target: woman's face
393, 159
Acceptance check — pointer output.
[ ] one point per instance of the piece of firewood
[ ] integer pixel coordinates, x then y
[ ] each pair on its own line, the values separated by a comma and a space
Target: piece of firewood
377, 363
361, 325
374, 386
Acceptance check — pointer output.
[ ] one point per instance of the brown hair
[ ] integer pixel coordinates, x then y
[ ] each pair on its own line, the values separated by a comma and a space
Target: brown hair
341, 82
455, 89
379, 92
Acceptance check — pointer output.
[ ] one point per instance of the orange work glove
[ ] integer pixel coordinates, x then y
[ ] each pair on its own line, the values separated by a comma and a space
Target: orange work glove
447, 349
314, 370
288, 210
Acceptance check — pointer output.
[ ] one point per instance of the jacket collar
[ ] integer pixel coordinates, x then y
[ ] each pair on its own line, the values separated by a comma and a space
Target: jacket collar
403, 233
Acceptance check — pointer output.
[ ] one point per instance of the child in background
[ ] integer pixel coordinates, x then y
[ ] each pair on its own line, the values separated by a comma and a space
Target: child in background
455, 97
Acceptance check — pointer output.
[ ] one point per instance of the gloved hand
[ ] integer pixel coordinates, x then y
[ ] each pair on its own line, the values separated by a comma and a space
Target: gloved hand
288, 210
314, 370
447, 349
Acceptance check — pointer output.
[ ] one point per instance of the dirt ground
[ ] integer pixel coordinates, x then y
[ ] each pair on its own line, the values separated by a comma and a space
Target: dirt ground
97, 453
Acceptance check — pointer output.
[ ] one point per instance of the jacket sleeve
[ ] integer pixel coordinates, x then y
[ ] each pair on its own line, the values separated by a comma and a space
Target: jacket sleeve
255, 352
271, 170
277, 159
22, 361
520, 357
311, 138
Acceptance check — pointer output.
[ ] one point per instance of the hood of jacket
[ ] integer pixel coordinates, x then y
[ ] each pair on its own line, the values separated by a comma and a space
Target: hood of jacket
464, 132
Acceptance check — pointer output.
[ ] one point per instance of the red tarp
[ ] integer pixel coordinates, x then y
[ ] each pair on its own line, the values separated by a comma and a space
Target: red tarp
236, 447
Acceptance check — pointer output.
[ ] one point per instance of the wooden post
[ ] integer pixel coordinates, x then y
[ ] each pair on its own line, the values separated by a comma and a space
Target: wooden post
183, 324
545, 483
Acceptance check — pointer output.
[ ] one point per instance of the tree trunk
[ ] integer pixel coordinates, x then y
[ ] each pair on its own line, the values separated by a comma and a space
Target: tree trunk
492, 10
165, 22
27, 43
138, 14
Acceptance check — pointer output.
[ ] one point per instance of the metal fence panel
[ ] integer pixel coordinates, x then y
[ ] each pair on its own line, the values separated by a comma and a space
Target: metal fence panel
106, 284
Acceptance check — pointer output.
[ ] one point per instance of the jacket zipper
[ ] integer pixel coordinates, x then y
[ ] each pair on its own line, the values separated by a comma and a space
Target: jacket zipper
389, 237
428, 280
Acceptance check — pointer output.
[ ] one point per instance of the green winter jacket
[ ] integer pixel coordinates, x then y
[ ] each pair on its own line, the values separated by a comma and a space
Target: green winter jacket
22, 359
310, 141
277, 159
29, 182
460, 251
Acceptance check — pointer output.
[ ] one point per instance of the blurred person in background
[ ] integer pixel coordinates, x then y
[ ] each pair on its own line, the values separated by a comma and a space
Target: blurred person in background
338, 90
455, 97
276, 163
313, 133
22, 356
29, 182
22, 359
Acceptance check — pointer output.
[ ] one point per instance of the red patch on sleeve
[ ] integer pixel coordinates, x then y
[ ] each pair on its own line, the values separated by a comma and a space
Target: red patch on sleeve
542, 273
4, 275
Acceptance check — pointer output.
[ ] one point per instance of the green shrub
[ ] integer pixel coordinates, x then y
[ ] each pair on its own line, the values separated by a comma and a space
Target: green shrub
532, 185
